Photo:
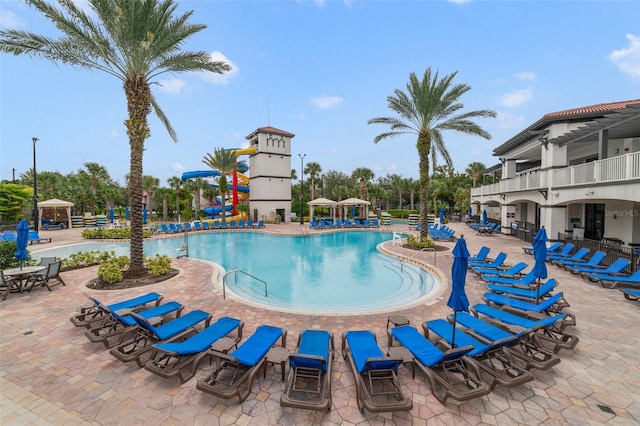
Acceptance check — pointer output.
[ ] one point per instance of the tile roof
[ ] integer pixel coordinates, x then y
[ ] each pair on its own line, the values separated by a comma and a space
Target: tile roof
269, 129
599, 108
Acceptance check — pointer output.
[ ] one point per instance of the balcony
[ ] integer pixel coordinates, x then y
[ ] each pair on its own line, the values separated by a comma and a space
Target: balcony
610, 170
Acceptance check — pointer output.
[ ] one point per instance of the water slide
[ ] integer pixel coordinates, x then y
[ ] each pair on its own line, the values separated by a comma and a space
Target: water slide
238, 186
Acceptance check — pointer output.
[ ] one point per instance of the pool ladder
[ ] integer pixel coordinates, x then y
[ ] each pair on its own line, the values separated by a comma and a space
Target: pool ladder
235, 272
417, 253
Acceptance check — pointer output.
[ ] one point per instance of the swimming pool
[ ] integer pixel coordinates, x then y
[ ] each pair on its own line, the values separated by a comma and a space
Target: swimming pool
332, 273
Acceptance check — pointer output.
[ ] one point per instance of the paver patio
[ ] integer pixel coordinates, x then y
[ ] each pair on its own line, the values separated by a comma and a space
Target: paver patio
51, 374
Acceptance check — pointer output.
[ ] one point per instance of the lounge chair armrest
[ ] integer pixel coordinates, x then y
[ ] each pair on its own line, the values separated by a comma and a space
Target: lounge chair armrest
457, 352
223, 356
309, 356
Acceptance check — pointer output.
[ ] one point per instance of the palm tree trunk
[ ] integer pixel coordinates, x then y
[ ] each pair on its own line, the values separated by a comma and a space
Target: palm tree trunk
138, 96
424, 148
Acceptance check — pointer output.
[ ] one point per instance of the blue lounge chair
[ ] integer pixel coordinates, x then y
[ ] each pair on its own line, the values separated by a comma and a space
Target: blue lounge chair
240, 367
498, 262
533, 293
196, 225
90, 314
630, 293
553, 304
187, 226
347, 224
173, 228
615, 268
375, 223
493, 359
315, 225
524, 346
205, 226
525, 280
180, 359
119, 324
179, 227
378, 387
10, 236
165, 228
578, 256
555, 247
550, 329
250, 223
614, 280
241, 224
450, 373
593, 261
261, 224
481, 256
309, 381
512, 272
34, 238
139, 346
565, 253
233, 224
223, 225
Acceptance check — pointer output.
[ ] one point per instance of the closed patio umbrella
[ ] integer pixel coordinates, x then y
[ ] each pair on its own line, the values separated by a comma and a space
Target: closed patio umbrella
484, 217
111, 214
442, 210
470, 212
126, 213
458, 300
22, 240
144, 216
540, 256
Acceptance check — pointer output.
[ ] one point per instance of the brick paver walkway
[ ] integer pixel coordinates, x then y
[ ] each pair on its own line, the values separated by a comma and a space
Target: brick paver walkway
51, 374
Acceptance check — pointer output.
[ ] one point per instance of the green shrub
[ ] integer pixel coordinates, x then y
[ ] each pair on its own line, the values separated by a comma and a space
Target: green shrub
416, 243
111, 233
110, 272
158, 264
7, 250
88, 258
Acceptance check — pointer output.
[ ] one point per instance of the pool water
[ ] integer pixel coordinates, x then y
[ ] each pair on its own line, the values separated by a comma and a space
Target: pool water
339, 272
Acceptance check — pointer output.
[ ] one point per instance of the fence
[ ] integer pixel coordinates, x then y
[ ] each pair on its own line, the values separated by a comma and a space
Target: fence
613, 248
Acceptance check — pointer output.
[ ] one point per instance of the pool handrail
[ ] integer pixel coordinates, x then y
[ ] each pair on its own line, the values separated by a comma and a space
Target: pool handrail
234, 271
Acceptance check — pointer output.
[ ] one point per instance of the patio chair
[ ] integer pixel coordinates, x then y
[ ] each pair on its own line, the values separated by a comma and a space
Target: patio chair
615, 268
565, 253
196, 226
450, 373
549, 329
173, 228
553, 304
96, 312
44, 261
236, 370
524, 293
187, 227
593, 261
495, 362
205, 226
46, 277
249, 223
578, 256
481, 256
241, 224
7, 284
261, 224
223, 225
555, 247
630, 293
34, 238
347, 223
309, 381
378, 388
10, 236
521, 345
119, 324
179, 227
165, 228
181, 359
615, 280
498, 262
514, 271
137, 348
233, 224
525, 280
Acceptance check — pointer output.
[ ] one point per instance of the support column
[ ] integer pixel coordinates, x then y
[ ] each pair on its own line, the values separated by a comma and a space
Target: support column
554, 219
603, 144
509, 169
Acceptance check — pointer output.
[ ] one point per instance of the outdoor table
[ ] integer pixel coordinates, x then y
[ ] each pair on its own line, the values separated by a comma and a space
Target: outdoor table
276, 355
22, 274
484, 230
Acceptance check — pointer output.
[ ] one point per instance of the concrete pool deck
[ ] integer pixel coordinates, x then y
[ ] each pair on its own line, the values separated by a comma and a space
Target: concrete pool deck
51, 374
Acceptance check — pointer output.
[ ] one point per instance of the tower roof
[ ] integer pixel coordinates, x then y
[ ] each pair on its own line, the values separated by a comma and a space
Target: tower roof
269, 129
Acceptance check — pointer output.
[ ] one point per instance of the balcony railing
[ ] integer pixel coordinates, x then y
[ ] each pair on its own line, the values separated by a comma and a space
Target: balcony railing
614, 169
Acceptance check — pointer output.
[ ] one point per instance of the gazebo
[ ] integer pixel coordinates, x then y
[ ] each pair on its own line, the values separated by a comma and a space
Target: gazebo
55, 204
357, 202
322, 202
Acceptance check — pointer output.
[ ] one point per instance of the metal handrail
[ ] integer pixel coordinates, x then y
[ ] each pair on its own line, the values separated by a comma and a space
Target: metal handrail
234, 271
417, 253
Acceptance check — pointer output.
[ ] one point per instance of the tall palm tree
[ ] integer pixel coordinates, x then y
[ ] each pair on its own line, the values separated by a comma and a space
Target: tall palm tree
474, 170
313, 169
363, 175
149, 185
133, 40
223, 160
176, 184
429, 107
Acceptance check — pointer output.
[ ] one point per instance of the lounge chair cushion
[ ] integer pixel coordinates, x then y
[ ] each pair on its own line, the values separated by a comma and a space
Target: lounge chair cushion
423, 350
513, 319
523, 305
257, 345
157, 311
458, 340
174, 327
204, 339
363, 347
312, 342
130, 303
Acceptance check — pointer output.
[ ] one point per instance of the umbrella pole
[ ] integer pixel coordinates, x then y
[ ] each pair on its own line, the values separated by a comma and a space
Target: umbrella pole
453, 335
538, 293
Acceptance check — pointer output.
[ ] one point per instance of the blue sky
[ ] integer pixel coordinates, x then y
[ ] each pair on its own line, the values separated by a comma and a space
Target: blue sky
321, 69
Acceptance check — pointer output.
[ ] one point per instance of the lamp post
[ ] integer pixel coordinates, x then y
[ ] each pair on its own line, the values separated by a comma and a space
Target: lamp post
35, 186
302, 187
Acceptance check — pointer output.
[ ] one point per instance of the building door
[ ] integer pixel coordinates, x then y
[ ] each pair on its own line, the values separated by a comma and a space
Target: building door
594, 221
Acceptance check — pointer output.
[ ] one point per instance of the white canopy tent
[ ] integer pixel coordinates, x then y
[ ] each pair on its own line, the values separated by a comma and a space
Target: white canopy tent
357, 202
55, 204
322, 202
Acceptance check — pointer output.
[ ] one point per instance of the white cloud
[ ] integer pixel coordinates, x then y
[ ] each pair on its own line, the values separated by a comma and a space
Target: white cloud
516, 98
628, 59
319, 3
507, 120
335, 151
459, 1
11, 21
177, 167
215, 78
326, 101
172, 86
527, 76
